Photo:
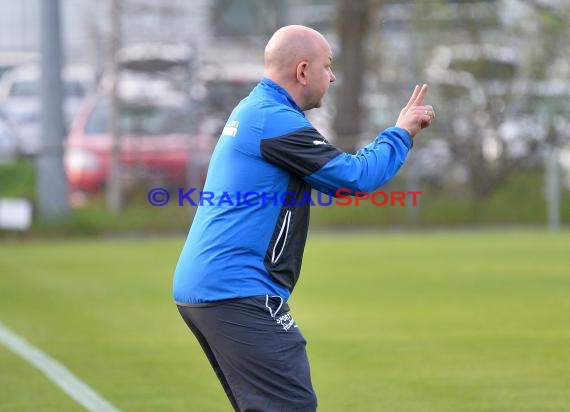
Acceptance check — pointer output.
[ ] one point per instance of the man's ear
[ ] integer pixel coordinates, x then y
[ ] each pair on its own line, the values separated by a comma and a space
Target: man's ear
302, 72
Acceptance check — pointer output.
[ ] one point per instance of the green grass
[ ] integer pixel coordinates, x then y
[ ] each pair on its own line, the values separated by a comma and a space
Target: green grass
140, 217
520, 200
410, 322
17, 179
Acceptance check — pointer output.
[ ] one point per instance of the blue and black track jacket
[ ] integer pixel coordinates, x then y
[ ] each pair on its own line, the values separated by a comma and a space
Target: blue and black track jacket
238, 248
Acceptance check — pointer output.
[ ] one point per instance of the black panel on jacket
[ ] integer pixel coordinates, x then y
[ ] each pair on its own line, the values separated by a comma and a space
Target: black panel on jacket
302, 152
284, 255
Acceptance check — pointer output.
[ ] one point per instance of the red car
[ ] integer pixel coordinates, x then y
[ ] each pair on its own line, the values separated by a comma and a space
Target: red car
157, 145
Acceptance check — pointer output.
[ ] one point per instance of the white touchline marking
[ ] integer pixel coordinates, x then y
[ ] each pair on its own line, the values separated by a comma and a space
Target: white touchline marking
56, 372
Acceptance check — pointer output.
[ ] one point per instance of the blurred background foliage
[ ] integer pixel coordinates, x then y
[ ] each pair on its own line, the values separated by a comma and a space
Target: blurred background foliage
499, 71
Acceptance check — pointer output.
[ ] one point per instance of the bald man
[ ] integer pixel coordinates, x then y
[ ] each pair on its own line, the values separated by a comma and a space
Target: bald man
243, 254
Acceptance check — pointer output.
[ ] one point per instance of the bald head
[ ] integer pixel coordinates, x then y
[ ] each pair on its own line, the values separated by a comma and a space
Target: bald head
291, 44
292, 56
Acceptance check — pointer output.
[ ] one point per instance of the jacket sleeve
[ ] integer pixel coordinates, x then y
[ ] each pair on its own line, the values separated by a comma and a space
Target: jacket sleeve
307, 153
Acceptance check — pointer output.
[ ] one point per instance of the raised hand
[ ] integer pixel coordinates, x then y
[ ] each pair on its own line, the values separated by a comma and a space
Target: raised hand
415, 115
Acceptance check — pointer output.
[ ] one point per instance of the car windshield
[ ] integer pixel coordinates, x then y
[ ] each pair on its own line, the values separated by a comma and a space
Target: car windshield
223, 96
27, 88
138, 119
74, 89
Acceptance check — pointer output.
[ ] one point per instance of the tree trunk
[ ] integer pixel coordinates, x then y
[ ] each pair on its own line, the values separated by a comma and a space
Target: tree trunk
353, 24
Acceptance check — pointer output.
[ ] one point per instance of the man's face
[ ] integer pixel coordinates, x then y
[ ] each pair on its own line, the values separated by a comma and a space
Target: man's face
320, 76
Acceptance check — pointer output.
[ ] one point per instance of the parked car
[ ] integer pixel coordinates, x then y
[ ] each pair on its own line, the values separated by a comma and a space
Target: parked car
157, 143
20, 99
160, 142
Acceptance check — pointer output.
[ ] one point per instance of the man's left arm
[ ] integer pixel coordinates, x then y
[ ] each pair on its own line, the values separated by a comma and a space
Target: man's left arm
307, 153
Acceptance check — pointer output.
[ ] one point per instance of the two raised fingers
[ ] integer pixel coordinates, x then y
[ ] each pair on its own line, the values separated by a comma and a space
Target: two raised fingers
417, 97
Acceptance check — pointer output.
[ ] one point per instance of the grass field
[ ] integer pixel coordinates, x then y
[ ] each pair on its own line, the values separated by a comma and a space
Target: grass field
414, 322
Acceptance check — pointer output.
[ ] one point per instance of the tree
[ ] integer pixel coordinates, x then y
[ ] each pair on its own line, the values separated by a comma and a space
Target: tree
529, 48
354, 22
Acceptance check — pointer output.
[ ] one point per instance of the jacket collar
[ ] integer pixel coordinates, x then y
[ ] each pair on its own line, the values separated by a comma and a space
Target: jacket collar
280, 93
